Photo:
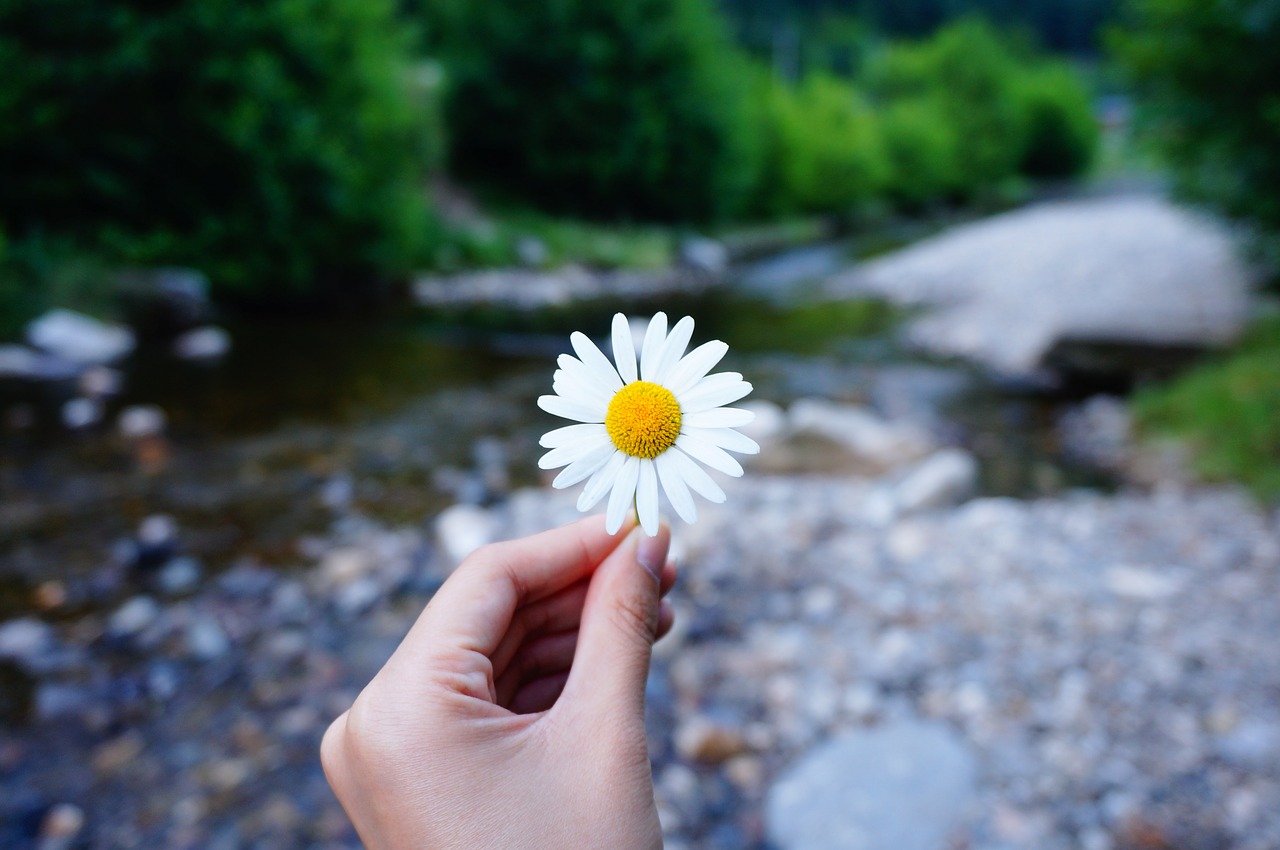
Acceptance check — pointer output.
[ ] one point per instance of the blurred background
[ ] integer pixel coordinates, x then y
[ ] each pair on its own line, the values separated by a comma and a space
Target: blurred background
280, 282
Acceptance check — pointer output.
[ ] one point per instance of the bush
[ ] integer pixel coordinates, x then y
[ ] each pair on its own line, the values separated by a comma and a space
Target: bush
971, 74
277, 145
822, 148
608, 109
921, 150
1206, 73
1061, 133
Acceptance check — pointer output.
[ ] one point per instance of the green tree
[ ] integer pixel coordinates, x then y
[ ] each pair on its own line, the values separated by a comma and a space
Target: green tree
278, 145
611, 109
1206, 72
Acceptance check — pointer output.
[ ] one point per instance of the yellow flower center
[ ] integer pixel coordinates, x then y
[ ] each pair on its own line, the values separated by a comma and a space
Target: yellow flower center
643, 419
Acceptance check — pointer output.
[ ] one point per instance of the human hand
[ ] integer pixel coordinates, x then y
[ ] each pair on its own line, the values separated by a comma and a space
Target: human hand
512, 714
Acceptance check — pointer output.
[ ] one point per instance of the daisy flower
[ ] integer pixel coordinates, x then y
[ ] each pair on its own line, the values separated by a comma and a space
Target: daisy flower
639, 427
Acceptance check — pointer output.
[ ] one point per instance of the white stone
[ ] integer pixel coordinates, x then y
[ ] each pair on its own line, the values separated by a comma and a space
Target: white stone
133, 616
462, 529
77, 337
703, 254
101, 381
25, 640
1141, 583
139, 421
943, 478
206, 343
81, 413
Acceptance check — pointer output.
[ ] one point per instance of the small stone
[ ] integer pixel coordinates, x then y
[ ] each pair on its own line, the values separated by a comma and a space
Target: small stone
140, 421
531, 252
943, 478
357, 596
156, 542
704, 255
205, 638
114, 754
206, 343
81, 413
344, 565
26, 641
462, 529
133, 617
702, 739
178, 577
1141, 583
878, 442
62, 824
101, 381
50, 595
79, 338
746, 772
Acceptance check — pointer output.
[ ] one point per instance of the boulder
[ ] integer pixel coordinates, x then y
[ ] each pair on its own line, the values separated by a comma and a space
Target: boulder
704, 255
881, 443
206, 343
944, 478
903, 786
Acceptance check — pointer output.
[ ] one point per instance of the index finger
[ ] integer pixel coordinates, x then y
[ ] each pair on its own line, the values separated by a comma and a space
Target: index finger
474, 607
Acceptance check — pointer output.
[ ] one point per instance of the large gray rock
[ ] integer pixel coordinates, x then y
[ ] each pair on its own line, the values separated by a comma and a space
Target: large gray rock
903, 786
879, 442
1005, 291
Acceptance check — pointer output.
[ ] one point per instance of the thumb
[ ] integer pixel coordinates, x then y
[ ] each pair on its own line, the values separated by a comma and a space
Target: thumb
619, 624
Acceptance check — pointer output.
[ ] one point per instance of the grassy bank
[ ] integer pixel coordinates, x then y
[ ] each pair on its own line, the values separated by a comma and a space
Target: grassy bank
1228, 410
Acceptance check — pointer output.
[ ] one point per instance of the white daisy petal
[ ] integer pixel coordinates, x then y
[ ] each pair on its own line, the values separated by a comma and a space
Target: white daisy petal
675, 488
673, 350
569, 434
624, 348
575, 369
571, 390
557, 406
647, 497
624, 493
651, 352
694, 366
709, 454
582, 468
600, 482
565, 455
694, 476
720, 417
594, 360
714, 391
727, 439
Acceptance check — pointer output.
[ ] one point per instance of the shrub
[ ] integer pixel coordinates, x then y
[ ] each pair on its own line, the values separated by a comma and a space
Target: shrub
1061, 133
277, 145
1206, 73
972, 73
614, 109
822, 148
921, 150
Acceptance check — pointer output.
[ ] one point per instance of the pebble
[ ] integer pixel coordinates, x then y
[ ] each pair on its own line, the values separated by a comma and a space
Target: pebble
205, 638
80, 413
206, 343
79, 338
179, 576
140, 421
133, 617
702, 739
27, 641
462, 529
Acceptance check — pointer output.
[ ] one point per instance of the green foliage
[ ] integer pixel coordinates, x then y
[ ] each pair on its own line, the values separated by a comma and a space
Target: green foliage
1061, 133
277, 145
972, 74
1227, 410
921, 149
822, 147
601, 246
1207, 73
609, 109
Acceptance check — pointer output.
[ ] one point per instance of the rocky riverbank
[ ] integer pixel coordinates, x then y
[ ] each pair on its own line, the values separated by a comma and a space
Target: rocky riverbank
1078, 671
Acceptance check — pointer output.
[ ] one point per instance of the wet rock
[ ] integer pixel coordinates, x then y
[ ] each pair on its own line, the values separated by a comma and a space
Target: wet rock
879, 442
133, 617
205, 638
704, 255
140, 421
79, 338
903, 785
702, 739
943, 478
27, 641
462, 529
61, 827
81, 413
18, 361
207, 343
156, 542
179, 577
164, 301
1252, 744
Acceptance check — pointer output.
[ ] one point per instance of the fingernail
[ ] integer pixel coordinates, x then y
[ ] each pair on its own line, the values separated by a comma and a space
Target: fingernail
652, 553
